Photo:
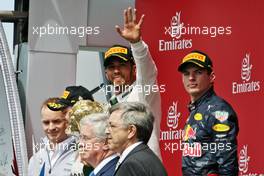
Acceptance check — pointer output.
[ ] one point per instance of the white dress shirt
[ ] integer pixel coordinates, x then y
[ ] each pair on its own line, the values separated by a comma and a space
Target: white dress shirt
103, 163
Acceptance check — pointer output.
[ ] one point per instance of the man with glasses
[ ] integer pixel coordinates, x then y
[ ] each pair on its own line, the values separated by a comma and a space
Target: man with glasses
93, 146
129, 129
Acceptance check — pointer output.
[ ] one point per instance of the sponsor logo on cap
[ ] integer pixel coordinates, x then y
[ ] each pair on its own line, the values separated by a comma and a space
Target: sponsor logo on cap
65, 94
221, 127
196, 56
55, 105
115, 50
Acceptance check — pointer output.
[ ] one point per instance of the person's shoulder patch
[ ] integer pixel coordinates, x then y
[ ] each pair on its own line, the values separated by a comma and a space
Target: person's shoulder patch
221, 115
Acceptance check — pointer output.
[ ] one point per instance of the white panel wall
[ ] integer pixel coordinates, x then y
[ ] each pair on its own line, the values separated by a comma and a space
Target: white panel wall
52, 57
107, 14
90, 72
56, 13
49, 74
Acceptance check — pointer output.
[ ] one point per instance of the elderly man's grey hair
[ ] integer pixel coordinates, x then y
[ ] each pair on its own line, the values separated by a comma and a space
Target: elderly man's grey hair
98, 121
138, 114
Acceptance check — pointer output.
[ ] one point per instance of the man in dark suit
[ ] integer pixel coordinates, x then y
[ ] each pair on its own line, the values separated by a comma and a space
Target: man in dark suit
93, 146
129, 128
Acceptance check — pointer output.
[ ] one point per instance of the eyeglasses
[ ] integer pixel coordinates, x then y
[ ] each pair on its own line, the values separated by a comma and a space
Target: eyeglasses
86, 138
112, 127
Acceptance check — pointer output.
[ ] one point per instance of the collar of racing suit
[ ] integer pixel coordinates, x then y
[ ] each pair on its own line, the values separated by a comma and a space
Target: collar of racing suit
209, 93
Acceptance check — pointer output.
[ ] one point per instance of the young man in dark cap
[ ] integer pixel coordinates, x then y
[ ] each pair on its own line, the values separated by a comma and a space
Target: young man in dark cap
133, 73
58, 153
210, 143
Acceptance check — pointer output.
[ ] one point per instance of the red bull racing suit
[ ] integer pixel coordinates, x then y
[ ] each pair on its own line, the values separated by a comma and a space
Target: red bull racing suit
209, 140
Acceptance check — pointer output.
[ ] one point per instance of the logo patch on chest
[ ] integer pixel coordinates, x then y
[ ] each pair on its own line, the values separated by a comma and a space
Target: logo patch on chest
198, 116
221, 115
189, 133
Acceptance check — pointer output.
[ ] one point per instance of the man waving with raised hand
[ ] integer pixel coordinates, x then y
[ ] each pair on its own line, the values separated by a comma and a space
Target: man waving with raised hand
133, 73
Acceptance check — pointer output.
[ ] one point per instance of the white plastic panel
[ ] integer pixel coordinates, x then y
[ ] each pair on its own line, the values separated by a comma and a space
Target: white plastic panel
56, 13
106, 14
48, 75
90, 72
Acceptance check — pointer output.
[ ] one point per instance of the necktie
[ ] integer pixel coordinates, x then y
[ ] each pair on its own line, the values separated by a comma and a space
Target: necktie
117, 164
92, 174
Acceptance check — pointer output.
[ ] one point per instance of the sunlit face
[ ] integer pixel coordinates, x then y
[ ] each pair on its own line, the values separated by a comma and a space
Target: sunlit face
54, 125
90, 147
121, 73
117, 133
196, 81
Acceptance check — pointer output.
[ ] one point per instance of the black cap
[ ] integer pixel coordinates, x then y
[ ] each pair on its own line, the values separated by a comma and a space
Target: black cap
123, 53
70, 96
198, 58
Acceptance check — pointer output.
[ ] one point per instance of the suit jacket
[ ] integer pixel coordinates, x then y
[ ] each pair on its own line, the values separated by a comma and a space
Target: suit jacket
141, 161
109, 168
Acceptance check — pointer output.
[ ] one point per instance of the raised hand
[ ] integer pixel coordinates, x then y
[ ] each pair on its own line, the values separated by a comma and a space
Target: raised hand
131, 30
